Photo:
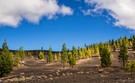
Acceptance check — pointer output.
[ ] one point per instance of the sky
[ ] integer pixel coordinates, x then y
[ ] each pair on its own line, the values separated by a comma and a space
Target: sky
43, 23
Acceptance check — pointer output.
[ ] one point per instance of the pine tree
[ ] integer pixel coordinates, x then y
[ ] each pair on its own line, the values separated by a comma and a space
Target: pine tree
64, 56
123, 54
130, 66
89, 52
59, 56
5, 50
120, 41
6, 61
117, 43
126, 40
133, 42
21, 53
130, 43
80, 53
112, 42
105, 53
74, 54
114, 47
55, 57
96, 49
41, 55
50, 56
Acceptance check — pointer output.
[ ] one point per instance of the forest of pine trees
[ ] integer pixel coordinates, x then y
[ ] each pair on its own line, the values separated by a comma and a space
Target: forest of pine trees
102, 50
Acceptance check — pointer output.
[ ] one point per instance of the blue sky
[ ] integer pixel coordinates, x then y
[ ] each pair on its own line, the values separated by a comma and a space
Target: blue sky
76, 26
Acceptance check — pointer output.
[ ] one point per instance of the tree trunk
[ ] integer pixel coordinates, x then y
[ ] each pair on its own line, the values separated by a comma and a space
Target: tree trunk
131, 74
123, 63
72, 66
63, 65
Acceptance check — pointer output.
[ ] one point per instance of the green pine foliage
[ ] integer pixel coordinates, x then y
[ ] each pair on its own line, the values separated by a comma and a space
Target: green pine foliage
114, 47
123, 54
6, 61
21, 53
105, 53
133, 43
16, 59
88, 52
80, 53
83, 53
72, 60
130, 66
120, 41
64, 56
96, 49
41, 55
59, 56
50, 56
55, 57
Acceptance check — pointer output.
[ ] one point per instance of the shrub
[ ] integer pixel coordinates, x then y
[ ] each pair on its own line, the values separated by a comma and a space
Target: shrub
21, 53
16, 60
130, 66
105, 55
41, 55
50, 56
6, 65
123, 54
6, 61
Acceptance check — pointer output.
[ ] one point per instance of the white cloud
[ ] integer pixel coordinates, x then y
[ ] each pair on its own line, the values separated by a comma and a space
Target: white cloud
66, 10
12, 12
123, 11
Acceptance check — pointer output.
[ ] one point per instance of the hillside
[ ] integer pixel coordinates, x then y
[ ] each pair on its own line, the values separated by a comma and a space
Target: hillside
85, 71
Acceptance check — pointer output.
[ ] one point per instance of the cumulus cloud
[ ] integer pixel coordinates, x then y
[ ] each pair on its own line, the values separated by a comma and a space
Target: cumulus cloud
123, 11
12, 12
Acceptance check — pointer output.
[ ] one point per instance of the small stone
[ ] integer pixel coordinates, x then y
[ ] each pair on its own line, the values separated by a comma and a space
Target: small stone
101, 75
44, 76
28, 78
51, 78
87, 72
58, 70
15, 79
50, 75
21, 78
71, 73
101, 71
106, 72
78, 72
57, 73
22, 73
63, 74
32, 77
39, 77
67, 73
81, 72
5, 81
